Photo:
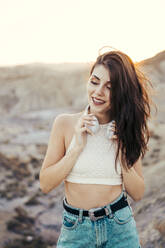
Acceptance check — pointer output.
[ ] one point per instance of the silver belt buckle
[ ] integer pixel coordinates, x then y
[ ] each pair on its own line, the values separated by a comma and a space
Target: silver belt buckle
92, 216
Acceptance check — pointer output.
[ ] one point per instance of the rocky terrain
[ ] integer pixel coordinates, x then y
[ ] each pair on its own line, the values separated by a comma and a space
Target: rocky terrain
31, 97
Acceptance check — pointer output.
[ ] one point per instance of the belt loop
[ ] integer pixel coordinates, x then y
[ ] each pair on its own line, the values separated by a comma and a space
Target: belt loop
108, 211
125, 194
65, 200
80, 216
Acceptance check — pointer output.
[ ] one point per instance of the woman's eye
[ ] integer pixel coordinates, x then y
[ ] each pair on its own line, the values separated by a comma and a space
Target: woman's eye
109, 87
93, 82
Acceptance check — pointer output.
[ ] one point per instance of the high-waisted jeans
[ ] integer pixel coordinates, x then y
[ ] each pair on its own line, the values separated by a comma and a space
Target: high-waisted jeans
117, 230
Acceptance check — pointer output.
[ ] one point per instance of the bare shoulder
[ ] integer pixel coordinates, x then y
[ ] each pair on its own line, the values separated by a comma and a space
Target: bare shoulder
61, 131
66, 120
65, 123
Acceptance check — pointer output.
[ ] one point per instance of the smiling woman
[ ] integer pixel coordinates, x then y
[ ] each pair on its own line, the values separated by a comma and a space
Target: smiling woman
97, 154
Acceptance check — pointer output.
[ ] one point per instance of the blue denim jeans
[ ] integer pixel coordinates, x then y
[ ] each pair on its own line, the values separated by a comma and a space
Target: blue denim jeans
116, 230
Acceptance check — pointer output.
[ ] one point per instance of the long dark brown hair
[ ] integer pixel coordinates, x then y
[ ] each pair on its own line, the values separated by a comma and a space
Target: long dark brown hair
130, 105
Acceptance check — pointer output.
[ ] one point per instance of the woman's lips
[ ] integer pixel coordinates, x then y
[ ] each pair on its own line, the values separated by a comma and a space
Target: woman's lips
97, 102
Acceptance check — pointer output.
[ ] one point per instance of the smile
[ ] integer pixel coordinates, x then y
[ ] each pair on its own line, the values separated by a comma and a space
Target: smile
97, 102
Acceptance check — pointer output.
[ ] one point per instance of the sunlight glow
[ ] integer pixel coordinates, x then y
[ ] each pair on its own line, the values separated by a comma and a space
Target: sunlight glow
52, 31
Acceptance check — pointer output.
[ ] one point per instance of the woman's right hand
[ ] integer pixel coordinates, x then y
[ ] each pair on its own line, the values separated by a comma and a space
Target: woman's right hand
81, 130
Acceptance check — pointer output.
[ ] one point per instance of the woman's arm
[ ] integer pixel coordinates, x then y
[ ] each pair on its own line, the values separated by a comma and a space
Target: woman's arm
57, 165
134, 181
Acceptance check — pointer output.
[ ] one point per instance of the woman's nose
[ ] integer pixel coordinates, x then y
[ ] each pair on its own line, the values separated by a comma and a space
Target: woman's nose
100, 90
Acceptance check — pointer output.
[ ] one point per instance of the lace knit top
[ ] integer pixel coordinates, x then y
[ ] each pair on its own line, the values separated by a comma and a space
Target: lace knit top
96, 163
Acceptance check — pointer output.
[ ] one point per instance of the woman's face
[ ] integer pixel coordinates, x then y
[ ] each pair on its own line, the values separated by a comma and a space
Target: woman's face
98, 88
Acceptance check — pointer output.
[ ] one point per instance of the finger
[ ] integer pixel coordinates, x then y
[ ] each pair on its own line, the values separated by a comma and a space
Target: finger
89, 123
87, 130
114, 137
113, 126
89, 118
91, 114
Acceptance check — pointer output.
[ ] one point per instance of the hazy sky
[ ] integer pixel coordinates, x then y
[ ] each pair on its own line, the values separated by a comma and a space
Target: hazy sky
74, 30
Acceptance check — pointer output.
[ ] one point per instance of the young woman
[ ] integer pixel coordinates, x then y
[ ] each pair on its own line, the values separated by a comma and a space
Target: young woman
97, 153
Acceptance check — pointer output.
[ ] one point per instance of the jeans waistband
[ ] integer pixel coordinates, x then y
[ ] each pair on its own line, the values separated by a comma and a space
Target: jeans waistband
100, 212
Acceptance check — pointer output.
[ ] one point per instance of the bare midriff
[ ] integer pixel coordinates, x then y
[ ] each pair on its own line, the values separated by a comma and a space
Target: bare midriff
89, 196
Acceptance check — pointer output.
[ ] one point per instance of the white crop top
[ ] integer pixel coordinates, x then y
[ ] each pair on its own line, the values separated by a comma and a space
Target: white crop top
96, 163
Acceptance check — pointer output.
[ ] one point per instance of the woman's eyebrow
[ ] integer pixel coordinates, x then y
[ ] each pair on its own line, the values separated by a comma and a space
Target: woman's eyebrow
99, 78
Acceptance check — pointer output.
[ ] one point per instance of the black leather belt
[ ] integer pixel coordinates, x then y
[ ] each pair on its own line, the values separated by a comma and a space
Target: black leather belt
100, 213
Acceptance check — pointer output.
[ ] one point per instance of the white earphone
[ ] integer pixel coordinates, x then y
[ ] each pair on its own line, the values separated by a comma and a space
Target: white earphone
96, 127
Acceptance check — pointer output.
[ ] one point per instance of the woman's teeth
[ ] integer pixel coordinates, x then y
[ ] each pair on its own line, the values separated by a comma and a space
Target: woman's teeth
98, 101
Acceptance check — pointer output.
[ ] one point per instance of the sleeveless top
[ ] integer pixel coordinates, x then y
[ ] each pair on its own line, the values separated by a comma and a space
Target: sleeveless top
96, 162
